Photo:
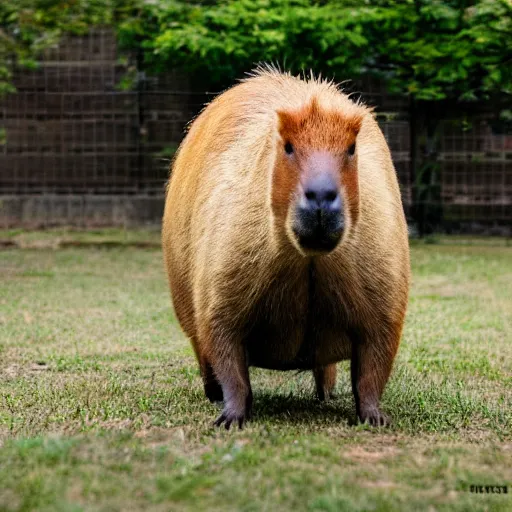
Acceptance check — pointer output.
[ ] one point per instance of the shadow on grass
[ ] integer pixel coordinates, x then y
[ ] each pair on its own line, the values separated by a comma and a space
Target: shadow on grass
299, 409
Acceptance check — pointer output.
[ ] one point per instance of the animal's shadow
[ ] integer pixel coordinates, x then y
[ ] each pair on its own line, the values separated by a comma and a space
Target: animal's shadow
303, 410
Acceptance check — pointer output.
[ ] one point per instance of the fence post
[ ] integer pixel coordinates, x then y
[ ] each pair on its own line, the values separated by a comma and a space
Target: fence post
413, 149
141, 128
425, 171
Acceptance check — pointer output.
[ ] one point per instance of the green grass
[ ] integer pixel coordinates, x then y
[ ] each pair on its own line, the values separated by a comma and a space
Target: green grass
101, 404
62, 237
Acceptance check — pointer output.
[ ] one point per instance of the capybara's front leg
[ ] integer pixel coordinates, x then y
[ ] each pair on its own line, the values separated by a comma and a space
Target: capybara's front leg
325, 380
226, 355
372, 360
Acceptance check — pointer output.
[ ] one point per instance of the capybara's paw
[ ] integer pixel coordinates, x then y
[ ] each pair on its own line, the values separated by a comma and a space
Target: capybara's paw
374, 417
322, 395
325, 395
228, 417
236, 410
213, 391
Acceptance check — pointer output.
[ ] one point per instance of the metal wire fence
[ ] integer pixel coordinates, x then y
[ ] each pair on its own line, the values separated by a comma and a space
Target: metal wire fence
70, 131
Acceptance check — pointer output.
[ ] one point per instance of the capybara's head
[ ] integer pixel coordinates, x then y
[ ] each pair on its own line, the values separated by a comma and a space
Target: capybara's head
315, 195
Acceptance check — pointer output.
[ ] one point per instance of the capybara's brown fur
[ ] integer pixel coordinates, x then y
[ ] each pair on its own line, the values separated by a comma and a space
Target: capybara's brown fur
246, 290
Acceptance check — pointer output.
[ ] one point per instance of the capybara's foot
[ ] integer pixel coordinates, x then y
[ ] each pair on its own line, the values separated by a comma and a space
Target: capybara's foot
324, 395
374, 416
229, 417
213, 391
237, 412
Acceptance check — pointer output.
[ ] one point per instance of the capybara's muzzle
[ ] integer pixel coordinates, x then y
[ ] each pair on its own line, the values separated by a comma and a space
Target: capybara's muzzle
319, 218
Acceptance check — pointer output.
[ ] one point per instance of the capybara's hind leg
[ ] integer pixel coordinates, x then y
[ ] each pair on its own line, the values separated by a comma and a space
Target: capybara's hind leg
226, 355
372, 360
212, 388
325, 380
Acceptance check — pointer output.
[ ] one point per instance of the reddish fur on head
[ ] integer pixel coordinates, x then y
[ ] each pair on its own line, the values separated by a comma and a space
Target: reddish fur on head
315, 133
314, 127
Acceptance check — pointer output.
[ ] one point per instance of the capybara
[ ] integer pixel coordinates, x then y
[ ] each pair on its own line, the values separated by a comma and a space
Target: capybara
285, 241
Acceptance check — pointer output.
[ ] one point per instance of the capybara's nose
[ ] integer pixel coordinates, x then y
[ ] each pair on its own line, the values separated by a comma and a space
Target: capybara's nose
321, 193
319, 219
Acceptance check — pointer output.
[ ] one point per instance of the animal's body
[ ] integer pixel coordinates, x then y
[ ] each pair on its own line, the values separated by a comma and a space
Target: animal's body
285, 241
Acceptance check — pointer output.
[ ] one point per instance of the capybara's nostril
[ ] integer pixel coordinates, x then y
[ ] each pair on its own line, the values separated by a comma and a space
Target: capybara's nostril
322, 193
330, 195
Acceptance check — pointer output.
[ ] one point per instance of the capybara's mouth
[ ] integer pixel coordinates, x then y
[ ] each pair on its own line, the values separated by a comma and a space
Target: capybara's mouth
319, 241
318, 231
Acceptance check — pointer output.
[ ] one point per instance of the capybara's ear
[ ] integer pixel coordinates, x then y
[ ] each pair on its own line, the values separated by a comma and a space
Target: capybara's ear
287, 123
354, 124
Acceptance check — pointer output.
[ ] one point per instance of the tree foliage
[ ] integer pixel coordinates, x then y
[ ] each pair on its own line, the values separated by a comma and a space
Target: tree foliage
222, 41
430, 49
437, 50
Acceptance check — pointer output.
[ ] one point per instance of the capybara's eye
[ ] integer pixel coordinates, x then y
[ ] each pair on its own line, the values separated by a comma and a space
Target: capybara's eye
288, 148
352, 149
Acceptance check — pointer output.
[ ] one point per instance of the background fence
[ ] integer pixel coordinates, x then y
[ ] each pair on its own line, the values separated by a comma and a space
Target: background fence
76, 150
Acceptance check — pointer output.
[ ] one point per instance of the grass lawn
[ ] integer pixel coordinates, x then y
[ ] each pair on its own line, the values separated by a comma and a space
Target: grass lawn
101, 403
